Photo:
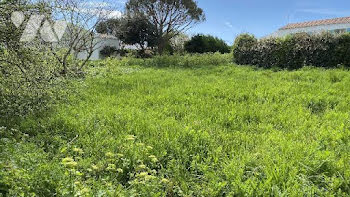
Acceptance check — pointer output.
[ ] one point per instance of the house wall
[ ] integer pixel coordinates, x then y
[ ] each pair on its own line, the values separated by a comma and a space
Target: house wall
101, 43
314, 29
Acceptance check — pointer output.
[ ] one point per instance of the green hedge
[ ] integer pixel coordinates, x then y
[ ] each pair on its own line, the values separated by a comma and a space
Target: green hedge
294, 51
206, 44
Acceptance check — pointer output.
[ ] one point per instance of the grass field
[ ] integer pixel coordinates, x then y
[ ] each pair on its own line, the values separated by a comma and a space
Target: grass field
223, 130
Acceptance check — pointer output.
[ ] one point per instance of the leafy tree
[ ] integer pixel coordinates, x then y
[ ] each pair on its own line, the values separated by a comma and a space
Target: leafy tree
206, 43
137, 30
27, 72
110, 26
169, 17
178, 43
131, 30
79, 36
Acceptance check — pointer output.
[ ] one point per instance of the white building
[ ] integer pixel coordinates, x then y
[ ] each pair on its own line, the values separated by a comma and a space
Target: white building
336, 25
101, 41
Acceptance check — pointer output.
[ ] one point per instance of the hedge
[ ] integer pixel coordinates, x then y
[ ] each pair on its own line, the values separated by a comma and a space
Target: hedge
206, 44
294, 51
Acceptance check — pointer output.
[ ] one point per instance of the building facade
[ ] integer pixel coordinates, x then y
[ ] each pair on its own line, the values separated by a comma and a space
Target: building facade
101, 41
336, 25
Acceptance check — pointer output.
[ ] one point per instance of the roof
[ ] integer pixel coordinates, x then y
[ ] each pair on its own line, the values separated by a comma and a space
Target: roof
343, 20
105, 36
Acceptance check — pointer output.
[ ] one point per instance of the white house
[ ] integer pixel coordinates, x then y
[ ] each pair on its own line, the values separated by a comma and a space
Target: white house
336, 25
101, 41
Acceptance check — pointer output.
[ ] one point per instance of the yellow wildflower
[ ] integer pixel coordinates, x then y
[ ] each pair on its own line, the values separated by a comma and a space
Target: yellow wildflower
111, 167
79, 173
164, 180
110, 154
78, 150
120, 155
153, 158
95, 167
142, 166
130, 137
69, 162
143, 174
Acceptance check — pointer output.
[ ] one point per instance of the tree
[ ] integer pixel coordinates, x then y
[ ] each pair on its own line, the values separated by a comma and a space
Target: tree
131, 30
206, 43
169, 17
80, 36
31, 70
109, 26
178, 42
27, 73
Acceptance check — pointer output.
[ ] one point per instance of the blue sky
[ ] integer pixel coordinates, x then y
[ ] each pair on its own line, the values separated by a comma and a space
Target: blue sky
228, 18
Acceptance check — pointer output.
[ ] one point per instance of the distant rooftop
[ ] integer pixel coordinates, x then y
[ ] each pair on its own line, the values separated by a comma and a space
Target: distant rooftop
343, 20
105, 36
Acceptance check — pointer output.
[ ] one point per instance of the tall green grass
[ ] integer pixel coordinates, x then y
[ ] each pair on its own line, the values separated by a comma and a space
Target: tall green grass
176, 61
211, 130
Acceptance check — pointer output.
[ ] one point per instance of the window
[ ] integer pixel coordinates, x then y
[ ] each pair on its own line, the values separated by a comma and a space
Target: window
340, 31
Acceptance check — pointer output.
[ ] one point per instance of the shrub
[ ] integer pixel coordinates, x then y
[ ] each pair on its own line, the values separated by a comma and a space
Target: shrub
243, 48
342, 50
108, 51
293, 51
205, 44
30, 80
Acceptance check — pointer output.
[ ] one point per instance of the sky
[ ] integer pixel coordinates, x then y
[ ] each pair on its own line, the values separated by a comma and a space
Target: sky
228, 18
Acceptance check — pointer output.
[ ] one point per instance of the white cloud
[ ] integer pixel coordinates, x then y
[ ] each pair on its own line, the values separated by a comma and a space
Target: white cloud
229, 24
123, 2
114, 14
102, 9
233, 28
94, 4
104, 13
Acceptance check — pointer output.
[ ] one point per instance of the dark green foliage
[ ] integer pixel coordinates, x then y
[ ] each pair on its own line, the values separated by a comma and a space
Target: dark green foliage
108, 51
110, 26
243, 48
131, 30
137, 30
205, 44
294, 51
169, 17
343, 50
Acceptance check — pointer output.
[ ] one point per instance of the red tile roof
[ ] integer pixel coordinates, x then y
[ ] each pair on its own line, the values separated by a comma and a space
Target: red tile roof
342, 20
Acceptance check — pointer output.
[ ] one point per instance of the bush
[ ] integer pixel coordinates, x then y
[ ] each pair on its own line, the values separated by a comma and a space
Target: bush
205, 44
294, 51
243, 48
342, 50
108, 51
30, 80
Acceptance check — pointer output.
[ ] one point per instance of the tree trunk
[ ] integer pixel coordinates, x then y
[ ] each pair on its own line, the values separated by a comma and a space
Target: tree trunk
161, 46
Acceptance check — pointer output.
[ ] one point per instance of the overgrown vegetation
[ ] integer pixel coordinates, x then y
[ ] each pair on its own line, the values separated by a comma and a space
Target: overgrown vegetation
179, 125
201, 127
29, 75
206, 44
294, 51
